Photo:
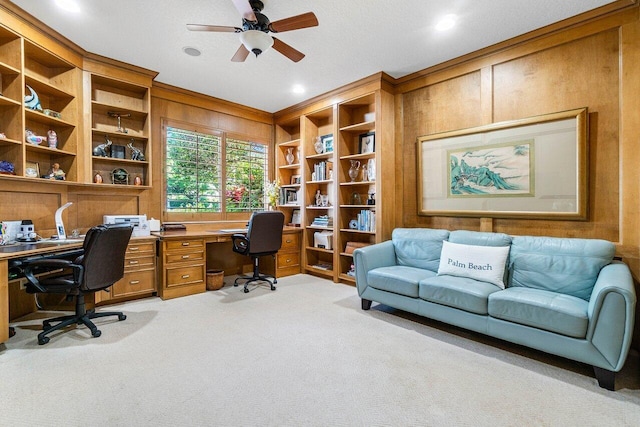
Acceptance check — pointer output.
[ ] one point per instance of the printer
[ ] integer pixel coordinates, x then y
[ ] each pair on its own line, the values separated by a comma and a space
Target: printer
139, 222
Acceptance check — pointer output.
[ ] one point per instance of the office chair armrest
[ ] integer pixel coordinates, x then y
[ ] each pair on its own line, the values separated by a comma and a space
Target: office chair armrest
240, 243
39, 266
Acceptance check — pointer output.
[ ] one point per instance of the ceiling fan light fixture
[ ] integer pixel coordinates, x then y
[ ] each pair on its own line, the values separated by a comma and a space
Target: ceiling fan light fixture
256, 41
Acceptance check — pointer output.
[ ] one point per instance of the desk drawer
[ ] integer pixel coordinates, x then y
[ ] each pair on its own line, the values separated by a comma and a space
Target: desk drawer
134, 283
288, 259
173, 245
185, 275
290, 242
185, 257
138, 249
133, 264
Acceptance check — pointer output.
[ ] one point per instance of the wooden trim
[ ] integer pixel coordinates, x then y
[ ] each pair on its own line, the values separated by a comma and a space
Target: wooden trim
195, 99
97, 64
376, 81
40, 33
550, 35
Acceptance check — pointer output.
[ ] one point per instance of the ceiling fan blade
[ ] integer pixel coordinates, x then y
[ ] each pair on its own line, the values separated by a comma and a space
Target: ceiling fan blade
216, 28
305, 20
245, 10
241, 54
287, 50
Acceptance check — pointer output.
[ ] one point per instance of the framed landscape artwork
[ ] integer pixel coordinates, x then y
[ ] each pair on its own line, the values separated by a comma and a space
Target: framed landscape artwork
532, 168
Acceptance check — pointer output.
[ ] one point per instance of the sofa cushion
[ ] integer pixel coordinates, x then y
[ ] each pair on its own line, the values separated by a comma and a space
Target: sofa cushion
398, 279
484, 263
568, 266
459, 292
551, 311
479, 238
419, 247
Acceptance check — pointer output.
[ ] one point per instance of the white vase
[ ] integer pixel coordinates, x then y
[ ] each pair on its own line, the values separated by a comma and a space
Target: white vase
289, 157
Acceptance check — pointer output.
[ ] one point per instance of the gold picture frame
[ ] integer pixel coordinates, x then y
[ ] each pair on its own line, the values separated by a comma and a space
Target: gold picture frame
528, 168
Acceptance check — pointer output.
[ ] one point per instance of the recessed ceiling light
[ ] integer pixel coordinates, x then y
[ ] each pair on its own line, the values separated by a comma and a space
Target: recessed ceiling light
446, 22
191, 51
298, 89
68, 5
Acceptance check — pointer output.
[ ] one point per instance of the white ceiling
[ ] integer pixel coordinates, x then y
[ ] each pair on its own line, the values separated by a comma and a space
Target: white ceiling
355, 39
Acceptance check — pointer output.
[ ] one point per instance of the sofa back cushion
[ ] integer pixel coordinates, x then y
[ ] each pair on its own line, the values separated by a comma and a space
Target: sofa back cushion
479, 238
419, 247
565, 265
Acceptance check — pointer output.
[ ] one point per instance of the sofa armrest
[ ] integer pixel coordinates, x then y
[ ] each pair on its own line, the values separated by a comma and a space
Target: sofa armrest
611, 313
369, 257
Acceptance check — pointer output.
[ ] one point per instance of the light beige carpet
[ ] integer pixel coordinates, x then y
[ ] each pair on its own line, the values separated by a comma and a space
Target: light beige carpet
304, 355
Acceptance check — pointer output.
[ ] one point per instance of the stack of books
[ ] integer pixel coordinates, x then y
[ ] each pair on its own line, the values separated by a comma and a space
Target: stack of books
324, 221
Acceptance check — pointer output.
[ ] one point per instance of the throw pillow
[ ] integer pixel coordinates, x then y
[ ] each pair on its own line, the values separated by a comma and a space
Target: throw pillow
484, 263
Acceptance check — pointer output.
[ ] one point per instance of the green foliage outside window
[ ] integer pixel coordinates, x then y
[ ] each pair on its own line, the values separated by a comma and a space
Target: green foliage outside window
195, 163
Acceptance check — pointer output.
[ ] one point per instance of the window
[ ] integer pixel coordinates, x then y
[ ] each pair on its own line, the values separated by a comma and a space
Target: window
208, 171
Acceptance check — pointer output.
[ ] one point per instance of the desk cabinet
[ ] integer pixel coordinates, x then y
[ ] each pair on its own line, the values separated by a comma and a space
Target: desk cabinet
139, 272
182, 267
288, 257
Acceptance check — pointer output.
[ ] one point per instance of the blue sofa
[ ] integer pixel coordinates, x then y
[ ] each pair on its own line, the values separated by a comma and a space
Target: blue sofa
564, 296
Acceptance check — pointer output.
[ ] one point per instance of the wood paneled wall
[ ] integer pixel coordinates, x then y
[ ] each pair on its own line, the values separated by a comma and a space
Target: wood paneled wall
594, 64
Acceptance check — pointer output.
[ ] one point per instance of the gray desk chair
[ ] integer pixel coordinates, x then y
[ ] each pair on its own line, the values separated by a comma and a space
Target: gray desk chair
99, 267
264, 237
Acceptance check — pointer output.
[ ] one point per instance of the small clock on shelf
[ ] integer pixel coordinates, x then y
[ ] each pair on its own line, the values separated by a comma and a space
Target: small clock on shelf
120, 176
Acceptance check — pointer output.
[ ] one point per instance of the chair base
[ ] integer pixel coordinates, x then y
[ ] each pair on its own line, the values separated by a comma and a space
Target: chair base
81, 317
256, 279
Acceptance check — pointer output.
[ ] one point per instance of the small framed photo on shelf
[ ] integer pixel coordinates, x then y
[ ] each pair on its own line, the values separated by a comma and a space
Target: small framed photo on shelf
32, 170
367, 142
296, 179
327, 143
290, 196
295, 217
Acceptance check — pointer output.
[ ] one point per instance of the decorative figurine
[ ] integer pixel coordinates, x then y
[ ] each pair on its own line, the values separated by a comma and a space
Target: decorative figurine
101, 150
97, 178
119, 117
34, 139
32, 101
55, 173
137, 180
136, 153
52, 138
318, 198
7, 168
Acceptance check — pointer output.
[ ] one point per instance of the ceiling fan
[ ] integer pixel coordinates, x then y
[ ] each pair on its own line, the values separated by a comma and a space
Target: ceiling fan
255, 28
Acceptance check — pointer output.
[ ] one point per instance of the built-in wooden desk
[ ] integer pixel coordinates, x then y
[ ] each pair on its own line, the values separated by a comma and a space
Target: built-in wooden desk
185, 255
18, 251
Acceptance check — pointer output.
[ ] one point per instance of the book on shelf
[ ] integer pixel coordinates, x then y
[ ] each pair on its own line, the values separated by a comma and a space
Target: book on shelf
366, 220
323, 266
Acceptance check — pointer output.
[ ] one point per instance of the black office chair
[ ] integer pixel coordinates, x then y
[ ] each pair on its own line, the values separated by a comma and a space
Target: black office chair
99, 267
264, 237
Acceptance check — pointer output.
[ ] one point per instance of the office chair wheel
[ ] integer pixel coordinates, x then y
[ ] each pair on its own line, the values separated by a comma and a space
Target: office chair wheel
273, 288
96, 333
246, 291
122, 316
43, 340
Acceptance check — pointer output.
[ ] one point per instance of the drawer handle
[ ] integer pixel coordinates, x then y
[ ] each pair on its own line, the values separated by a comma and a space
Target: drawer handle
185, 256
289, 241
133, 262
185, 276
185, 243
134, 282
134, 249
288, 260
